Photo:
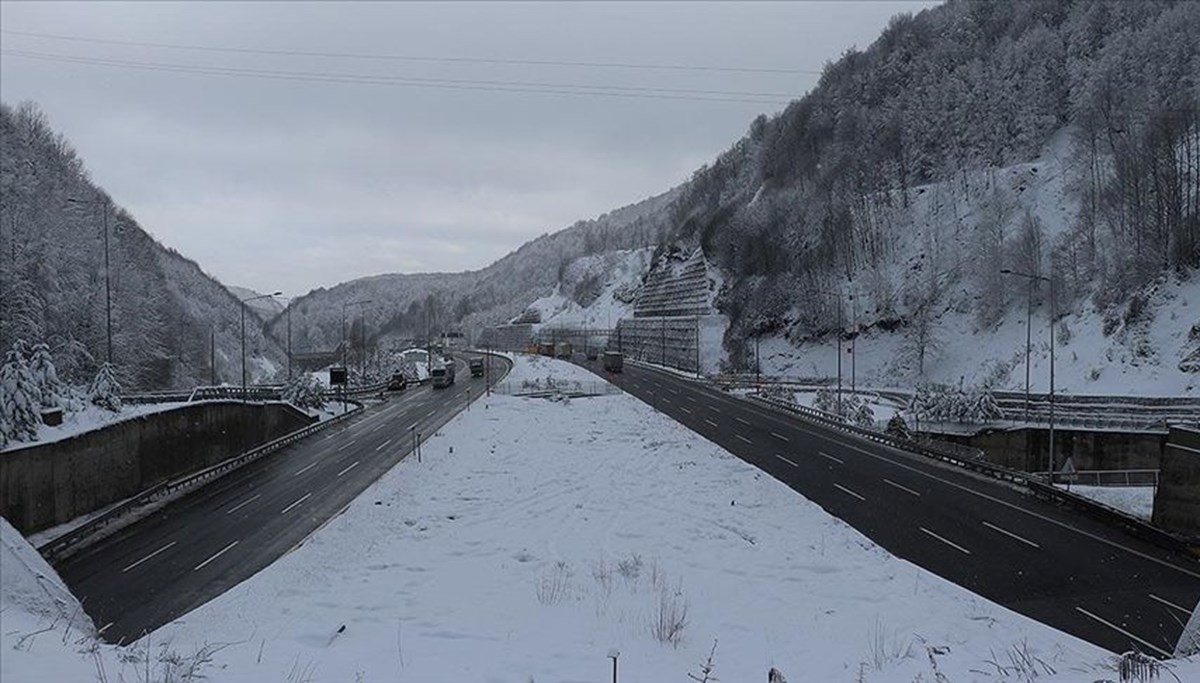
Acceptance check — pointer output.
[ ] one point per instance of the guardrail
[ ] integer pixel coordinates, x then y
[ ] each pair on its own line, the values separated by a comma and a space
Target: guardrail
1107, 477
61, 546
567, 388
961, 456
1103, 513
1110, 516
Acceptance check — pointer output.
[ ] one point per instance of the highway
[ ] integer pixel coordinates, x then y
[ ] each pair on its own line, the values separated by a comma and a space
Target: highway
216, 536
1033, 557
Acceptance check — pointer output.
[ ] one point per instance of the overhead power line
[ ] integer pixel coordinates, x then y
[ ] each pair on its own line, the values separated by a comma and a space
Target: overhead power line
732, 96
413, 58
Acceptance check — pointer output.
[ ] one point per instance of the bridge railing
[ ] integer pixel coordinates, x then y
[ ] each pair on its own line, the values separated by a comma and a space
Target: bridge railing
1143, 477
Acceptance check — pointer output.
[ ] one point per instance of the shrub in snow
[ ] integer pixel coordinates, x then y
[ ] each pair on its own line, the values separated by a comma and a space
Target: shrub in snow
45, 375
305, 392
20, 400
106, 390
941, 403
898, 428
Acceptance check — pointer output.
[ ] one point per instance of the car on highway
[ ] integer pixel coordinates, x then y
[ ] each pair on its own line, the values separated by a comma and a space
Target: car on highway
476, 367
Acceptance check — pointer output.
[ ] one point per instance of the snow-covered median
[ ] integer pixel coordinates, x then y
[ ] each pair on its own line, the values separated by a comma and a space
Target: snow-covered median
536, 536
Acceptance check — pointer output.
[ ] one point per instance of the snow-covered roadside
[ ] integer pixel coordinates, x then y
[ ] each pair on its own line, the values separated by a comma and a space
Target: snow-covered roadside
90, 417
1135, 500
537, 535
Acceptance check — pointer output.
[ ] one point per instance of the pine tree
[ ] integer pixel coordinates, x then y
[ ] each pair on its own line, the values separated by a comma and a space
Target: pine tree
45, 376
19, 397
305, 392
106, 390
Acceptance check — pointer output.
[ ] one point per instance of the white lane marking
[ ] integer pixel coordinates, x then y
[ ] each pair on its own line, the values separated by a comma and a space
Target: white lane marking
430, 413
685, 410
348, 468
304, 469
691, 398
301, 500
220, 552
243, 504
344, 447
950, 543
836, 459
781, 437
667, 401
636, 385
714, 409
104, 628
166, 548
710, 422
1010, 534
414, 426
1122, 631
744, 439
1170, 604
381, 446
741, 420
843, 489
673, 390
902, 487
786, 460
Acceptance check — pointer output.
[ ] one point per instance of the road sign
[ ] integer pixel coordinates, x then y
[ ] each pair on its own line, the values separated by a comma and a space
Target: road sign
337, 376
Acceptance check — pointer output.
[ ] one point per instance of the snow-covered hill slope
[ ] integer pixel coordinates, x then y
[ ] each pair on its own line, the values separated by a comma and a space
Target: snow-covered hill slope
595, 291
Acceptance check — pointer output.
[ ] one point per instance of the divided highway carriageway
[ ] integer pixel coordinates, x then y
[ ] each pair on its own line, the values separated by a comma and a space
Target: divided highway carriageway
1033, 557
218, 535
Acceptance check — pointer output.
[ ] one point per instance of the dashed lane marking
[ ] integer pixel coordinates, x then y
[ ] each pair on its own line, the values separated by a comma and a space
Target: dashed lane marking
1122, 631
1010, 534
220, 552
685, 410
781, 437
1170, 604
300, 500
834, 458
304, 469
344, 447
164, 549
348, 468
786, 460
710, 422
381, 446
745, 422
948, 542
744, 439
243, 504
843, 489
902, 487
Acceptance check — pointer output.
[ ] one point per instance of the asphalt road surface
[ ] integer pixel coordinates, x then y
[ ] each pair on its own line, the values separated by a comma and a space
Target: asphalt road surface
215, 537
1043, 561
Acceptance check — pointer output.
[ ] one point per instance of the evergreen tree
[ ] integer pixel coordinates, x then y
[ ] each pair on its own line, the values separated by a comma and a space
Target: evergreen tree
106, 390
19, 397
45, 376
305, 392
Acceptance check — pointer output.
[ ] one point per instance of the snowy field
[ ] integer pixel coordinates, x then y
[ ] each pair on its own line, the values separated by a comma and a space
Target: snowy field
1135, 500
535, 537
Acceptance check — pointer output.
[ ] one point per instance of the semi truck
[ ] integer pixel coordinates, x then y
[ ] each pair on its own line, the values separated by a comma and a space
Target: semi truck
477, 367
442, 376
613, 361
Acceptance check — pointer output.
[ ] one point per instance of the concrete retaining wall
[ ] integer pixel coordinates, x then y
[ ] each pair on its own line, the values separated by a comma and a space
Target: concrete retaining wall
1177, 503
1025, 449
42, 486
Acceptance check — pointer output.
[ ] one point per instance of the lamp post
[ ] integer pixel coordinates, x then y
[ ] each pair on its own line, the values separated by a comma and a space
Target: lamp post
244, 302
107, 205
841, 328
345, 304
1050, 281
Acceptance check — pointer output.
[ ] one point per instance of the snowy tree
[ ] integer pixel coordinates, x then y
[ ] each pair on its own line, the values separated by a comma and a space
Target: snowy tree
20, 399
305, 392
45, 376
106, 390
898, 428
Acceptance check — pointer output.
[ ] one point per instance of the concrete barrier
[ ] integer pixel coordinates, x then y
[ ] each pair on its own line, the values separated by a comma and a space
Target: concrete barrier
1024, 448
52, 483
1177, 501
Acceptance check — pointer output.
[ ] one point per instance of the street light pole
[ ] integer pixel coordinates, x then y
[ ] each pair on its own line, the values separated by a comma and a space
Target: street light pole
344, 305
1053, 308
243, 307
106, 205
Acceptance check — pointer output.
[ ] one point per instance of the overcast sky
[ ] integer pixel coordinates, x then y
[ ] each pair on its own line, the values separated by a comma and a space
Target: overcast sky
290, 184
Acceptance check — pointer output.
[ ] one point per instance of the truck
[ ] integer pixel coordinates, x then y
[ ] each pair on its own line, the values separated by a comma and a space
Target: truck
442, 376
398, 382
476, 367
613, 361
562, 350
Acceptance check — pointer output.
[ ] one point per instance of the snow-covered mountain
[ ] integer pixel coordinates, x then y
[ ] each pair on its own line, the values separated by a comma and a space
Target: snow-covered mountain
1058, 139
164, 308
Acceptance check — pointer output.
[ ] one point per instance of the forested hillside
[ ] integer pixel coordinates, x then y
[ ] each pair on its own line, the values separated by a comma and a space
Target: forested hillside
52, 254
939, 103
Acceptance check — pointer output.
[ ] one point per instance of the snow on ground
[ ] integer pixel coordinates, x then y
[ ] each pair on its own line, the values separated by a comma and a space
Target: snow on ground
884, 409
87, 418
1135, 500
618, 273
535, 536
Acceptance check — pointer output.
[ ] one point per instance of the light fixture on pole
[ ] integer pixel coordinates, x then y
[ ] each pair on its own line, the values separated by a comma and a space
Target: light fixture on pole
243, 307
1050, 281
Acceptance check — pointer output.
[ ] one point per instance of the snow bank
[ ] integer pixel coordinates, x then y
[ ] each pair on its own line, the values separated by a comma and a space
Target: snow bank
1135, 500
87, 418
